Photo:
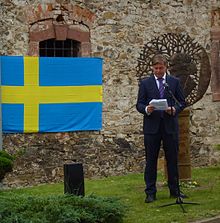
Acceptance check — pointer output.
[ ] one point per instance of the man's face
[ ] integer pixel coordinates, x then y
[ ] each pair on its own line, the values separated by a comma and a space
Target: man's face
159, 70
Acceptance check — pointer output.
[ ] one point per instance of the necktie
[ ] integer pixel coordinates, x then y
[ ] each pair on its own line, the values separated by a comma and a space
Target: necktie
161, 87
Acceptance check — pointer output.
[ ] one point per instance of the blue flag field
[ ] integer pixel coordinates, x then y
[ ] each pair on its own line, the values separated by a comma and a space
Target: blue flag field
50, 94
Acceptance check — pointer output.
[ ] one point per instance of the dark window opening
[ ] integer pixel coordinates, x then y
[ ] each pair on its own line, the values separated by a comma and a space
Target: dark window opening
59, 48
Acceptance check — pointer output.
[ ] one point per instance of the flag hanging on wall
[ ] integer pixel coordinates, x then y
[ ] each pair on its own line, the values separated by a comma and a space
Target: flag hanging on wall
50, 94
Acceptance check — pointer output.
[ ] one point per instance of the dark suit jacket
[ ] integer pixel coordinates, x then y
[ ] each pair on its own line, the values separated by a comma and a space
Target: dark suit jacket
148, 90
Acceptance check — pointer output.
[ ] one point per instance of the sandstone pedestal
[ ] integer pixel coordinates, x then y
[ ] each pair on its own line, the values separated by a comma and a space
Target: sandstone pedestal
184, 163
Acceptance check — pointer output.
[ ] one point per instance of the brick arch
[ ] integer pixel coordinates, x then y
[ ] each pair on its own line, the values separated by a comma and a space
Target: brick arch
43, 25
59, 32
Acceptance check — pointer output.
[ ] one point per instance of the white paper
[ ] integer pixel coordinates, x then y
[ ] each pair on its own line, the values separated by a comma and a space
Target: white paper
159, 104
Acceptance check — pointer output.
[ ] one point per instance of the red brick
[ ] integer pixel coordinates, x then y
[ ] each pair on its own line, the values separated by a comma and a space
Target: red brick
33, 48
215, 33
61, 32
216, 96
215, 64
78, 35
85, 49
42, 35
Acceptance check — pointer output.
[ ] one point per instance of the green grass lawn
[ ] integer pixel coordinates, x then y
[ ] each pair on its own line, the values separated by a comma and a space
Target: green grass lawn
130, 189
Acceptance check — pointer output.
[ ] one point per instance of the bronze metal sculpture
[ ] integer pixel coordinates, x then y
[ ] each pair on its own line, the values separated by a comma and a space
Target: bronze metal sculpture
188, 61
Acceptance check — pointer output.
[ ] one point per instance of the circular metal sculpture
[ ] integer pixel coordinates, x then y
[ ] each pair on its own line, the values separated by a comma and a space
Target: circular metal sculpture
187, 59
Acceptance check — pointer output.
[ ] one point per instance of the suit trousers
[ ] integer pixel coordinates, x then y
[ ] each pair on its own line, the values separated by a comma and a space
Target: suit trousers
152, 144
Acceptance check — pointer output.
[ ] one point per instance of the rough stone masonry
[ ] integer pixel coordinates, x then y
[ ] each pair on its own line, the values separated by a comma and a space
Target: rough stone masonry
118, 32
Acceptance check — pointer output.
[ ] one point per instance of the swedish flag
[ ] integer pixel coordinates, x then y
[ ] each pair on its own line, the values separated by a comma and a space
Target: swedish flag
42, 94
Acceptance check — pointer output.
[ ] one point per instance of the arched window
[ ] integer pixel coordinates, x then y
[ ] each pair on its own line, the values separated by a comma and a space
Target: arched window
51, 35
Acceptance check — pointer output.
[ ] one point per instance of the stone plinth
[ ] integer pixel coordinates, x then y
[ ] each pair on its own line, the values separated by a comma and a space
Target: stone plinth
184, 162
184, 146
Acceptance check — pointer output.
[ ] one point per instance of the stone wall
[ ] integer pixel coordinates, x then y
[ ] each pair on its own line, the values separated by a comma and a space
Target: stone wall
118, 33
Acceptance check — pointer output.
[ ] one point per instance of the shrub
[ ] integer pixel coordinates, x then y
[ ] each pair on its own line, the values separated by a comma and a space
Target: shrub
3, 153
217, 147
60, 209
6, 163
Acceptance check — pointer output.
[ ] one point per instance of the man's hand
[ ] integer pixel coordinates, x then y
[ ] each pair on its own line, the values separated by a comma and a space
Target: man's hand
171, 111
150, 109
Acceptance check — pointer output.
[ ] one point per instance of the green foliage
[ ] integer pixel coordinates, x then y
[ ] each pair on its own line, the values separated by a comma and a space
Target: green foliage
20, 152
60, 209
217, 147
130, 190
189, 184
6, 163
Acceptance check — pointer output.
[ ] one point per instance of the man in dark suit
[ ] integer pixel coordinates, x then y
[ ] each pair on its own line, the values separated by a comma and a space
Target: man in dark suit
160, 125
